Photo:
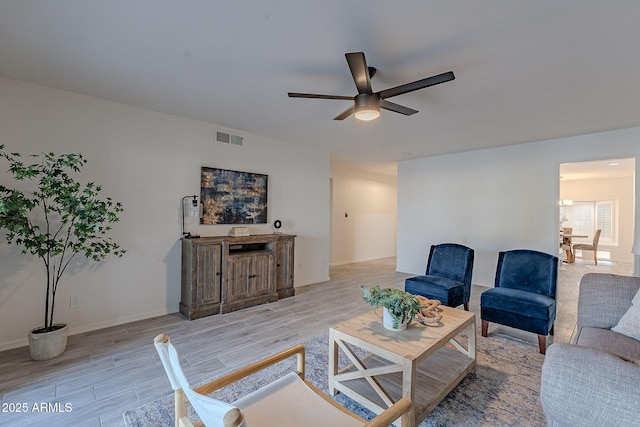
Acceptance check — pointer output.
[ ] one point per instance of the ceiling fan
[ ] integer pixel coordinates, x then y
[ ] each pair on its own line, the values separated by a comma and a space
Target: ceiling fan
367, 103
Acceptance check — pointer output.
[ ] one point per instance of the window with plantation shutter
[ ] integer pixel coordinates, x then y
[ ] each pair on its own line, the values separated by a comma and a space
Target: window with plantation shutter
587, 216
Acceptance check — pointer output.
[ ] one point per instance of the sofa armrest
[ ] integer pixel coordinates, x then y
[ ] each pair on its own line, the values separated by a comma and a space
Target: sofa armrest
604, 298
581, 386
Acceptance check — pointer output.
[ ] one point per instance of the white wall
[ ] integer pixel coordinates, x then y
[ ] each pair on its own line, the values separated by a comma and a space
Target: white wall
148, 161
620, 189
495, 199
370, 201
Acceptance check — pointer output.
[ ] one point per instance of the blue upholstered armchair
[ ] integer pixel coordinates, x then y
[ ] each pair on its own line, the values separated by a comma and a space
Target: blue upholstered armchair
524, 296
448, 275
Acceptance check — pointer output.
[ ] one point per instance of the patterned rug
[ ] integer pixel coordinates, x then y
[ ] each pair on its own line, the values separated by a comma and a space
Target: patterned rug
504, 391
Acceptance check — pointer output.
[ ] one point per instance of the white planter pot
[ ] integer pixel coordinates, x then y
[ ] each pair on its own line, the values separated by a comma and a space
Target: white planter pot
47, 345
387, 321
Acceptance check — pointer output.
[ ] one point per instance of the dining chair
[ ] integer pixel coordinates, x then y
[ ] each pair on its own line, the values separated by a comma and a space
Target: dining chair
566, 244
448, 275
288, 401
590, 247
524, 294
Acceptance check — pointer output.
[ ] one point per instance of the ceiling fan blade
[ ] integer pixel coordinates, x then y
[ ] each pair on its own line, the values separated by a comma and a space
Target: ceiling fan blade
397, 108
313, 95
346, 113
359, 71
417, 85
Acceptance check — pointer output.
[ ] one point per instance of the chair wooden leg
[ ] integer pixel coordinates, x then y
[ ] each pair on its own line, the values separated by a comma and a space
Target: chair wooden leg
595, 257
485, 327
180, 402
542, 344
466, 306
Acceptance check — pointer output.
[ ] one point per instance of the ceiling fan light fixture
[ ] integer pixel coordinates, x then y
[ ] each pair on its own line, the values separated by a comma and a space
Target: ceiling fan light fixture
367, 113
367, 107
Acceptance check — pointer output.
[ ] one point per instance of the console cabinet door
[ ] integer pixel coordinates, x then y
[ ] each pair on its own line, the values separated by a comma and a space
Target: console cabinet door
201, 278
285, 266
249, 276
263, 275
208, 274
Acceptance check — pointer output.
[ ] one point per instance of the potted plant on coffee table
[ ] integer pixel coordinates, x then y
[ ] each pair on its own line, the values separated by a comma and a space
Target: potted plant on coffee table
51, 215
399, 307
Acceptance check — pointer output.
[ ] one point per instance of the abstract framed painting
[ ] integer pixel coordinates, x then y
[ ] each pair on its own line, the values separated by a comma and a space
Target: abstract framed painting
233, 197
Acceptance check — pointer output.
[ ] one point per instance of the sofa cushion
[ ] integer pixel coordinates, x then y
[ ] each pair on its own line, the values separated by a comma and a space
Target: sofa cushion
587, 387
610, 341
629, 324
604, 298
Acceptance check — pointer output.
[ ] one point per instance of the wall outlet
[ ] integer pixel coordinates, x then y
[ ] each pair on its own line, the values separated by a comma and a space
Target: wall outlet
75, 301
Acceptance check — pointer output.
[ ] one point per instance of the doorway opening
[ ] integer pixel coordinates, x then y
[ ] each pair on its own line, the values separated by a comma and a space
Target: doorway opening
597, 195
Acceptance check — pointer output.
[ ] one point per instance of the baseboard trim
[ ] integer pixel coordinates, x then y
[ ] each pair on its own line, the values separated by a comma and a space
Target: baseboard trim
339, 263
14, 344
311, 282
89, 328
118, 321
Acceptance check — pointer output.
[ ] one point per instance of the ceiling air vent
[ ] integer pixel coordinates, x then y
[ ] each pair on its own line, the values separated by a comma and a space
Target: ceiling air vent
228, 138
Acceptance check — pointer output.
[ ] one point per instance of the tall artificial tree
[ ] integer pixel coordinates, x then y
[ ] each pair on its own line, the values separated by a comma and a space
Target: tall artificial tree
57, 217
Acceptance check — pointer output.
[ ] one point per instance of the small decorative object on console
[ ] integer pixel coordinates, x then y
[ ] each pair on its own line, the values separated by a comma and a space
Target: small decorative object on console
239, 231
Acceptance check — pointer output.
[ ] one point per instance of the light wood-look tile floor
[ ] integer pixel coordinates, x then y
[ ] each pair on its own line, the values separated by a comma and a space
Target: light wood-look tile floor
107, 372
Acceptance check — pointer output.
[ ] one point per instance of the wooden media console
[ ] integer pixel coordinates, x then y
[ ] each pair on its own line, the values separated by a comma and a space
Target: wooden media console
221, 274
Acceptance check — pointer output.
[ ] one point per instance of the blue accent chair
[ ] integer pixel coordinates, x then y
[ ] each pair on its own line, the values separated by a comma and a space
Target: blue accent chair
524, 296
448, 275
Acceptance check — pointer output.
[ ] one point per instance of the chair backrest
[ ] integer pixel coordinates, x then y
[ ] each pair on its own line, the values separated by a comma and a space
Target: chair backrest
452, 261
527, 270
212, 412
596, 238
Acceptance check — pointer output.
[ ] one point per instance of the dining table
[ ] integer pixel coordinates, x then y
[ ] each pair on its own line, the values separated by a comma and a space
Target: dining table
567, 245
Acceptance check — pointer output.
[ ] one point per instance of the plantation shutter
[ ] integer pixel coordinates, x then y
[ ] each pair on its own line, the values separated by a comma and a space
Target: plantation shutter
587, 216
604, 221
582, 218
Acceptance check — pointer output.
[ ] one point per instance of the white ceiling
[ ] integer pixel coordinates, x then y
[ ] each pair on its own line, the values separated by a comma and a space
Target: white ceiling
525, 70
599, 169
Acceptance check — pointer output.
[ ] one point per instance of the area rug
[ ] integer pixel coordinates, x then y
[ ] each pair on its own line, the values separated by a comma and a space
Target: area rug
504, 391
